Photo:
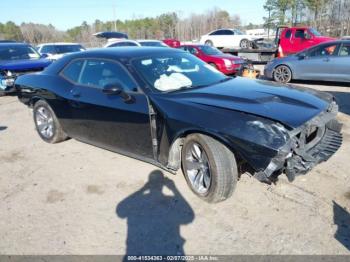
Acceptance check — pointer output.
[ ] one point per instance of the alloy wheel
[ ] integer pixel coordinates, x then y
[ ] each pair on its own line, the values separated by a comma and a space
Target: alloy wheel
44, 122
197, 168
282, 74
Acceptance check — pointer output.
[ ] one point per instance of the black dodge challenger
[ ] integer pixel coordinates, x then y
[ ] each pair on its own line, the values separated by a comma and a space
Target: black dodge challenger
169, 108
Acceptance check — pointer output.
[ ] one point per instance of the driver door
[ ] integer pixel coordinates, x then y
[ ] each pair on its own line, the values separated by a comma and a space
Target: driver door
108, 120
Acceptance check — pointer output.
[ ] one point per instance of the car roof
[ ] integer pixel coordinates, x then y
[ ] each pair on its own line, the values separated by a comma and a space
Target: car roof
120, 53
148, 40
125, 52
9, 44
59, 43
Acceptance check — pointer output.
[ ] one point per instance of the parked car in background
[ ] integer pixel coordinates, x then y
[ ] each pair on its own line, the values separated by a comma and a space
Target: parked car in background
326, 62
129, 42
225, 63
17, 59
55, 51
228, 38
174, 43
151, 43
171, 109
122, 43
295, 39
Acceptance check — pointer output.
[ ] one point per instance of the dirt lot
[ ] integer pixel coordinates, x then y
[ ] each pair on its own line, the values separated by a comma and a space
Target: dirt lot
73, 198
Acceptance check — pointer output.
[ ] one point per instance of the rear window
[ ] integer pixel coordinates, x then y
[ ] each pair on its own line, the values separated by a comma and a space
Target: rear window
72, 71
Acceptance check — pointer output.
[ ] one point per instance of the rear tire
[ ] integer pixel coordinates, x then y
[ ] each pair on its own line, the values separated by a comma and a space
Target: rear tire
47, 124
209, 43
209, 168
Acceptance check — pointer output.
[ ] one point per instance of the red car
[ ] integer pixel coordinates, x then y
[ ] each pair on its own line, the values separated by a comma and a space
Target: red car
172, 42
225, 63
296, 39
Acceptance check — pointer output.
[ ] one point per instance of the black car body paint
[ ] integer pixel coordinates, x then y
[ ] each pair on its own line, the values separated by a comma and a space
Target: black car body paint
267, 125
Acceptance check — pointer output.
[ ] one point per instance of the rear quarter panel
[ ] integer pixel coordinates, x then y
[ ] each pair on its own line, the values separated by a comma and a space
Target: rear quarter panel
54, 90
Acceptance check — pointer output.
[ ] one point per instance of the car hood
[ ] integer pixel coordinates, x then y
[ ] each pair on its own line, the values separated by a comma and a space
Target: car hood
289, 105
24, 65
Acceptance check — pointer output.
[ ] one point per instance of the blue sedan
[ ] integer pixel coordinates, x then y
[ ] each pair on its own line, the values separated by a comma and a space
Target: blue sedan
325, 62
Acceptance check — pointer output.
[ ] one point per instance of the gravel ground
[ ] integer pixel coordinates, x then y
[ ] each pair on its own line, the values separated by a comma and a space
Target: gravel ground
73, 198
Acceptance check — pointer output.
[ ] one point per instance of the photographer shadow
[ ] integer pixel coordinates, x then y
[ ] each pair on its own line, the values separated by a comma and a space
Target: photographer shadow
154, 219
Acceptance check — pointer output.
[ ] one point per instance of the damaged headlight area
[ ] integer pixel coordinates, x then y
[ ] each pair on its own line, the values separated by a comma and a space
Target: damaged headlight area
314, 142
7, 82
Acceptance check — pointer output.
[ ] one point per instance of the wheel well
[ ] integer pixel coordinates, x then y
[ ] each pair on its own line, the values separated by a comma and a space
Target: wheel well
174, 159
33, 101
273, 71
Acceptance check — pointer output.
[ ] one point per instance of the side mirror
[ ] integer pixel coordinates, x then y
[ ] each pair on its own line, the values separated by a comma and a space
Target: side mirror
307, 36
302, 56
117, 89
44, 55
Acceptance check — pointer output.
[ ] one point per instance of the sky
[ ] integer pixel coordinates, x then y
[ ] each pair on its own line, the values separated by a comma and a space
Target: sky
65, 14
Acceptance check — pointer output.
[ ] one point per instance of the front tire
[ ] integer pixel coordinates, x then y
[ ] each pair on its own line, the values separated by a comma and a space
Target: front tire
245, 44
209, 168
46, 123
282, 74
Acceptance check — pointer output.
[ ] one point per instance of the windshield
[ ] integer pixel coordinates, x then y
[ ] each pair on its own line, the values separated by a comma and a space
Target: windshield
172, 72
315, 32
208, 50
62, 49
153, 43
18, 52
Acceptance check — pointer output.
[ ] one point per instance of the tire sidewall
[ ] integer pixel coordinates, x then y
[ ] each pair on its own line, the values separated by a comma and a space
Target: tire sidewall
43, 104
195, 138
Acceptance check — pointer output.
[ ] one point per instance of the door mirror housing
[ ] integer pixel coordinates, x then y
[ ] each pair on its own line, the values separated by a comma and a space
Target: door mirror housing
307, 36
302, 56
117, 89
113, 89
44, 55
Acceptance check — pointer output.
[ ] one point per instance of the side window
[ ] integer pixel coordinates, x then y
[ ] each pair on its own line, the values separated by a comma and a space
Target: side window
48, 49
100, 73
324, 50
288, 34
192, 50
72, 71
227, 32
344, 50
299, 33
217, 32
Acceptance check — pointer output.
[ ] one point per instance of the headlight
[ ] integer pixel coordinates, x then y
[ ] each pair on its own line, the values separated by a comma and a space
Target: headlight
228, 63
6, 82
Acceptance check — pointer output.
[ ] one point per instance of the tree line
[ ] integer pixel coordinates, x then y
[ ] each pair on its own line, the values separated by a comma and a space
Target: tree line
168, 25
331, 17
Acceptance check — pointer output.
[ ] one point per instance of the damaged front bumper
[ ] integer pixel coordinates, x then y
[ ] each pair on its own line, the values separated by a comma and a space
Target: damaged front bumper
314, 142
